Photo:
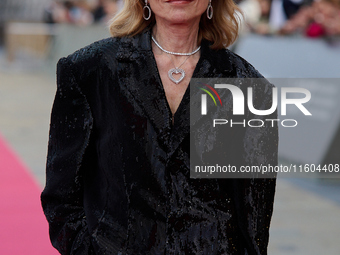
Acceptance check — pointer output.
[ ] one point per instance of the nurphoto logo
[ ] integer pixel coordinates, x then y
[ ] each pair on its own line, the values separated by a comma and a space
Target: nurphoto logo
239, 105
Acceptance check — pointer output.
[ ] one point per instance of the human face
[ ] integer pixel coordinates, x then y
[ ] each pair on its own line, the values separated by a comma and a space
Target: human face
178, 11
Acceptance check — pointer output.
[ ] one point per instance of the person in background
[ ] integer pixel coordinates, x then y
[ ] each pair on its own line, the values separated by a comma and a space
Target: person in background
109, 9
321, 18
291, 7
98, 11
76, 12
256, 14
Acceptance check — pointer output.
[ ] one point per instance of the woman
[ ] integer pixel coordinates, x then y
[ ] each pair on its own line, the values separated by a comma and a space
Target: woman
118, 157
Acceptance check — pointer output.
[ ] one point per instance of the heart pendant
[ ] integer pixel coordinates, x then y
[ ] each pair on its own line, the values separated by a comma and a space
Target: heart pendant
176, 71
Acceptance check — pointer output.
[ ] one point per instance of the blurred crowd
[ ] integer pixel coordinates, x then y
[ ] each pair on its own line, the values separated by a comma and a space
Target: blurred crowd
312, 18
81, 12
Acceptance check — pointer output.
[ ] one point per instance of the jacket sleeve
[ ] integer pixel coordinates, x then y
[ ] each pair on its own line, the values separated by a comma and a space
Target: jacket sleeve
254, 197
62, 198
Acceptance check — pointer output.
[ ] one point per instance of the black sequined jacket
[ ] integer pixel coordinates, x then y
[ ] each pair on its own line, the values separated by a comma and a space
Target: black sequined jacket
118, 170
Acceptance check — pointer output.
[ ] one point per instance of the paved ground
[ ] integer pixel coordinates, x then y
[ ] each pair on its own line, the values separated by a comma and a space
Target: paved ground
306, 218
25, 104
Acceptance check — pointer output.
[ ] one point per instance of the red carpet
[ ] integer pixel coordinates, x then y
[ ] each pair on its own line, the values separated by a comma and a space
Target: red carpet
23, 228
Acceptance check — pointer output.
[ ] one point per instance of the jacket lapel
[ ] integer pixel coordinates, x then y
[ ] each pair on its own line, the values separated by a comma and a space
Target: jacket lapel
206, 67
138, 73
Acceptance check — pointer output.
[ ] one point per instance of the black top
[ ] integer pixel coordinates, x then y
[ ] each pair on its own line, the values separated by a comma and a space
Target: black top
118, 171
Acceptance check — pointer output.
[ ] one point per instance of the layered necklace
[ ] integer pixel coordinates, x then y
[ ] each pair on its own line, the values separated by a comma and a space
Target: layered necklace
176, 70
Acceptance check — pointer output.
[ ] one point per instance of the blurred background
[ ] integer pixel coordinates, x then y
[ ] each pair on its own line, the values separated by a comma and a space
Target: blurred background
281, 38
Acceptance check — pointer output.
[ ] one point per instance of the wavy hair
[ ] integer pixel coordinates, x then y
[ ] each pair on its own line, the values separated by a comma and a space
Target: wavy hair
221, 30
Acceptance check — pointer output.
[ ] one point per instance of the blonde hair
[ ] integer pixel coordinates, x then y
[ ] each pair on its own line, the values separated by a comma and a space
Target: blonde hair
222, 29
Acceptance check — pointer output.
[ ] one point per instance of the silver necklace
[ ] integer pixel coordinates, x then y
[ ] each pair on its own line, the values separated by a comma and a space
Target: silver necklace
175, 53
176, 70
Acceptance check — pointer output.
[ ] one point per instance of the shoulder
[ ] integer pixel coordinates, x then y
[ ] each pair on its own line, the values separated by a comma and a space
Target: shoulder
82, 70
262, 88
231, 64
242, 66
89, 58
243, 69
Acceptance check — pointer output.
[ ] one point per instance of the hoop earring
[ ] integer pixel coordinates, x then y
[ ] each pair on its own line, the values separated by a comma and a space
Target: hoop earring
146, 7
210, 11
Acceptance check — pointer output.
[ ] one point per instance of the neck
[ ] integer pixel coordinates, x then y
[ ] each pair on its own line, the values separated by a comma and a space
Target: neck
176, 37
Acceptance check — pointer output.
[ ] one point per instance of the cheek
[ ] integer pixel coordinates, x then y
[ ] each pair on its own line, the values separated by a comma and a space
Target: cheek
155, 6
202, 6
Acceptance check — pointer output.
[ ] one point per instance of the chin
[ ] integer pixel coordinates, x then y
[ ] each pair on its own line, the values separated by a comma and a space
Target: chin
181, 17
179, 20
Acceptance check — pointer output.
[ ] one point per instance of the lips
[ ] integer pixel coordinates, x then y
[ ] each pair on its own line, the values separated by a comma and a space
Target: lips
180, 1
